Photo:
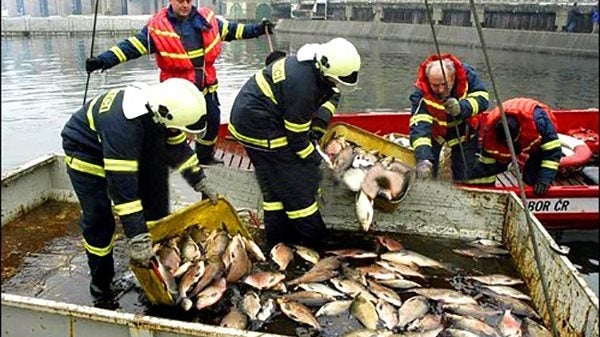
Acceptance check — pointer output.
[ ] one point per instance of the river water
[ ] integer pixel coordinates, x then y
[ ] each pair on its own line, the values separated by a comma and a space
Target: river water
43, 83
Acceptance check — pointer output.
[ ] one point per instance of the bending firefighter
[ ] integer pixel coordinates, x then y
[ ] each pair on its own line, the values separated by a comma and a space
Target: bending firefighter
186, 42
272, 117
445, 114
113, 145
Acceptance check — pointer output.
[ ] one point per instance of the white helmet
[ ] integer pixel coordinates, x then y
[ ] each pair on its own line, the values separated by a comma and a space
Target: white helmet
339, 60
177, 103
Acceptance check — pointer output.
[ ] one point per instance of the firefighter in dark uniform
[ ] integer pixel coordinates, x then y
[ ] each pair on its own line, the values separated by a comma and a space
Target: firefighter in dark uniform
272, 116
532, 127
112, 145
186, 42
439, 111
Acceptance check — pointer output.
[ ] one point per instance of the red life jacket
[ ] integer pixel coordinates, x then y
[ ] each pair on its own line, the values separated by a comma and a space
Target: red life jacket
434, 105
529, 138
168, 42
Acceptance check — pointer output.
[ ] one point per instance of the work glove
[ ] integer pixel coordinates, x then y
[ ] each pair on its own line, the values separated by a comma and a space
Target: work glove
541, 188
206, 191
424, 169
315, 136
266, 26
452, 107
140, 249
93, 63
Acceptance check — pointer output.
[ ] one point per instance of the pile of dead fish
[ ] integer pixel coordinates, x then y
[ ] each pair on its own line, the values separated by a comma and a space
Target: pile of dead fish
387, 291
368, 174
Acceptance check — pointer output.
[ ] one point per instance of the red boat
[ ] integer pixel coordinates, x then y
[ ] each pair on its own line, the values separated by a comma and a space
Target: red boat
570, 203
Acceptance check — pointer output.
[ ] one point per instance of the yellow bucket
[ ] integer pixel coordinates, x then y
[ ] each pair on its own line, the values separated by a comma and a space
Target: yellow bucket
222, 215
372, 142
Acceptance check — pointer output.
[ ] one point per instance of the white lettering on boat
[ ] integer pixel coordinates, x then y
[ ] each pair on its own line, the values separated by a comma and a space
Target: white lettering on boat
563, 205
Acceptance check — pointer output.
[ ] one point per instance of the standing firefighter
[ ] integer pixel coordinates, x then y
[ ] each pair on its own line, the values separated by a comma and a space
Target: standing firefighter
186, 42
112, 146
443, 114
272, 117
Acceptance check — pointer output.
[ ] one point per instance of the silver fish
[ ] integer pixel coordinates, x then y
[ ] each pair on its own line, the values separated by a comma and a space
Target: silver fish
387, 313
169, 257
445, 295
402, 269
190, 278
321, 288
364, 310
471, 324
369, 333
253, 249
267, 310
235, 319
251, 304
491, 249
385, 293
364, 210
217, 243
412, 309
509, 326
309, 298
328, 263
353, 178
308, 254
389, 243
507, 291
212, 271
353, 253
282, 255
453, 332
343, 161
408, 257
240, 263
516, 306
486, 242
211, 294
474, 253
473, 310
334, 308
401, 284
189, 249
495, 279
263, 280
533, 329
352, 288
426, 323
312, 276
298, 313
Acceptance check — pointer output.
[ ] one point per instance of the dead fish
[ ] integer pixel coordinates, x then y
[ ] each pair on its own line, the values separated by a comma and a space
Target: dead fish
251, 304
471, 324
401, 284
182, 268
267, 310
369, 333
375, 183
496, 250
308, 254
453, 332
509, 326
169, 257
334, 308
352, 288
364, 210
280, 287
235, 319
165, 276
263, 280
353, 178
321, 288
385, 293
445, 295
199, 234
473, 310
314, 276
335, 146
384, 275
408, 257
429, 333
343, 161
354, 274
190, 278
474, 253
211, 294
389, 243
402, 269
240, 263
282, 255
309, 298
387, 313
328, 263
516, 306
412, 309
189, 249
495, 279
534, 329
364, 310
363, 158
298, 313
426, 323
507, 291
213, 270
486, 242
217, 243
353, 253
253, 249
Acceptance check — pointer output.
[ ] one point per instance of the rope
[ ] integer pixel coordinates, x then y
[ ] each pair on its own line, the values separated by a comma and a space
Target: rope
518, 172
87, 82
437, 50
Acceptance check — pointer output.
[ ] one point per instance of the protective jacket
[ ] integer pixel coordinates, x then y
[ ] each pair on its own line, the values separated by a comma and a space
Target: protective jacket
431, 123
275, 107
100, 141
537, 134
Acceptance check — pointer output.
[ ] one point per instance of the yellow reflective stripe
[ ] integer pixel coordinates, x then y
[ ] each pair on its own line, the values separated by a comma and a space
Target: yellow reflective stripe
90, 115
190, 162
225, 29
207, 142
178, 139
100, 251
174, 55
296, 127
302, 213
553, 144
165, 33
120, 165
129, 208
138, 45
196, 53
211, 88
454, 141
85, 167
482, 180
239, 31
434, 104
316, 128
474, 105
119, 54
306, 151
422, 141
550, 164
209, 16
421, 118
453, 123
486, 160
264, 86
272, 206
483, 94
329, 106
272, 144
213, 43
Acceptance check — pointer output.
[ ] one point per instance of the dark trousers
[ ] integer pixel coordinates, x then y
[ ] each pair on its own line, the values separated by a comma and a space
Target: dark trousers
205, 148
458, 166
286, 179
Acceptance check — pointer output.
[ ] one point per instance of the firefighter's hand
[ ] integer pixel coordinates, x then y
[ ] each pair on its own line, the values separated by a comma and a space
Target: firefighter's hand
140, 249
266, 26
452, 107
541, 188
93, 63
424, 169
206, 191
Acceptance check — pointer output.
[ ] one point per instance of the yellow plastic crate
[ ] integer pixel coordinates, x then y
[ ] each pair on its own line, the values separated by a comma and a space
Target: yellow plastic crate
222, 215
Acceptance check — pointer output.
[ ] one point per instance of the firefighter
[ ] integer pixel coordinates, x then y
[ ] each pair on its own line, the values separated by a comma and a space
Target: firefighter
186, 42
112, 146
272, 117
440, 111
532, 127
